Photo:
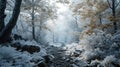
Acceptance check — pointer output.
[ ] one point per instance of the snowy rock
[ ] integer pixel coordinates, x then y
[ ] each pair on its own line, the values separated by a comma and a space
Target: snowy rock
41, 64
23, 47
48, 58
79, 62
77, 53
94, 63
31, 49
36, 59
73, 65
17, 45
17, 37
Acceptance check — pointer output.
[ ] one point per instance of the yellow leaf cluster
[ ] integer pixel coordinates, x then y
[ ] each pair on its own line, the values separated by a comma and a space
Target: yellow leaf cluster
113, 19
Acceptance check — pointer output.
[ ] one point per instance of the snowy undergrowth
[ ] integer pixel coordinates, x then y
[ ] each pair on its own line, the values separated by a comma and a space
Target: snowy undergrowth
28, 42
10, 57
100, 45
98, 49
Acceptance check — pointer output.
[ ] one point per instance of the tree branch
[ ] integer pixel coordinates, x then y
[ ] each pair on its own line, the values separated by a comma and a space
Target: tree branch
9, 4
109, 4
117, 4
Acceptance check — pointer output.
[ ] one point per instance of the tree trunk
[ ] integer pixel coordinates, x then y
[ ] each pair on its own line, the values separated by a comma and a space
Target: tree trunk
2, 13
33, 25
6, 31
114, 15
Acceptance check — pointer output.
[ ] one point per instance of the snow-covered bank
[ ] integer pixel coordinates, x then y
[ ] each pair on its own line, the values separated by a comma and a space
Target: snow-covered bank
12, 57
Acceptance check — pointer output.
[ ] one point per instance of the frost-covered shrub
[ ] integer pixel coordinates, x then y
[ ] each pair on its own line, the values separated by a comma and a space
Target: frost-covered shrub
99, 45
98, 39
110, 61
97, 50
92, 55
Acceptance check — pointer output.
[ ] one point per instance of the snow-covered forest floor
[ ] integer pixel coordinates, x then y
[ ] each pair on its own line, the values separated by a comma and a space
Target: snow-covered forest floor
52, 55
61, 33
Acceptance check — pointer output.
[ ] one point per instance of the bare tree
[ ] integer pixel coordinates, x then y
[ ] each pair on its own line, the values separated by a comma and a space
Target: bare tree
113, 4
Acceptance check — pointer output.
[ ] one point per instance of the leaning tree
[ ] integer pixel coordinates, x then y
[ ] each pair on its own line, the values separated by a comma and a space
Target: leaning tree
5, 30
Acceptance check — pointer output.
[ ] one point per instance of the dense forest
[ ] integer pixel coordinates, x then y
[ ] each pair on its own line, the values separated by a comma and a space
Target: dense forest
59, 33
